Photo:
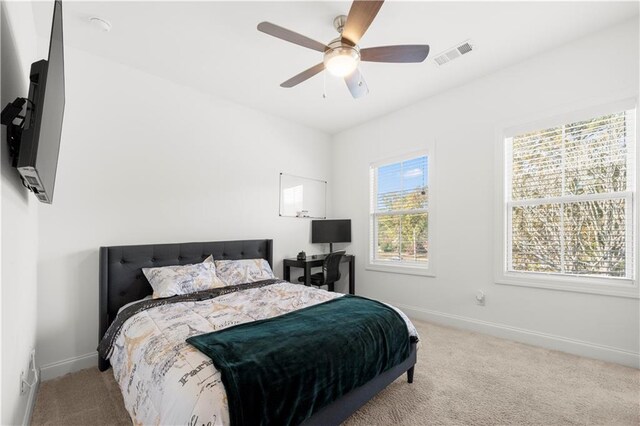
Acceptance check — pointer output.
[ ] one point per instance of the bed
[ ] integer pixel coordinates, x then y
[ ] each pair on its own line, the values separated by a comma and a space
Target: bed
188, 390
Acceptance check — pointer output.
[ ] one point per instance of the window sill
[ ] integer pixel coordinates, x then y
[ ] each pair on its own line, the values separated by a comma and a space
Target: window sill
400, 269
591, 285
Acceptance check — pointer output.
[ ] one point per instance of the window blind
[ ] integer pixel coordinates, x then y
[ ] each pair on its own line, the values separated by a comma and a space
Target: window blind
570, 198
399, 212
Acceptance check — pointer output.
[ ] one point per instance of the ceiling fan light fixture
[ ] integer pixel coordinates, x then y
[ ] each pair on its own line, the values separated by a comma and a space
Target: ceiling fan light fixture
341, 61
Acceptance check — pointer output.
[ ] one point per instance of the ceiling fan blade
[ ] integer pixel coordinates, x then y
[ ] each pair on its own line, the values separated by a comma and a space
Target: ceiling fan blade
361, 15
356, 84
409, 53
290, 36
304, 75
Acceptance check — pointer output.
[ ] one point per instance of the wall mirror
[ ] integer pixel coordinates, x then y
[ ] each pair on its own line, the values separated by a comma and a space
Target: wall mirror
302, 197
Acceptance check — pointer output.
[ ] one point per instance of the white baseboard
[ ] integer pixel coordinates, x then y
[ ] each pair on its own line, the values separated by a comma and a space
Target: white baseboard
69, 365
31, 402
545, 340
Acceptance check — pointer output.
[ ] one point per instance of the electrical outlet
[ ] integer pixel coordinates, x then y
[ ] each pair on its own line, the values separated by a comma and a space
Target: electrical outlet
32, 360
23, 388
25, 385
480, 299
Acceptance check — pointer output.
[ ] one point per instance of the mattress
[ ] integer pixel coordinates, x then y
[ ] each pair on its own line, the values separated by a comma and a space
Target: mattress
164, 380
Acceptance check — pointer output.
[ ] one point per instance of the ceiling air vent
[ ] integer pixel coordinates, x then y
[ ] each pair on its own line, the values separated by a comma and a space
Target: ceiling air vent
454, 53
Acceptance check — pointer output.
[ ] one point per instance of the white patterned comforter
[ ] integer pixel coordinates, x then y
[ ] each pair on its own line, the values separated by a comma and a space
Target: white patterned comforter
164, 380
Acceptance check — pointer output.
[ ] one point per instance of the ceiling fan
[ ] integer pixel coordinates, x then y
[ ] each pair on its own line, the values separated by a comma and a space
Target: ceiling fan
342, 54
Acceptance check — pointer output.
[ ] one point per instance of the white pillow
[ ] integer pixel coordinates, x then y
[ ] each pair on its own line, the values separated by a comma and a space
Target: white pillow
243, 271
170, 281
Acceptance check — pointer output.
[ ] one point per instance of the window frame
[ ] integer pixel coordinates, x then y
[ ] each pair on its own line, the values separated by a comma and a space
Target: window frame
400, 267
611, 286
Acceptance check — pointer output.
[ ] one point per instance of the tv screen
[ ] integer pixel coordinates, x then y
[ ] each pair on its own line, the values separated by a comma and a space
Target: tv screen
40, 144
331, 231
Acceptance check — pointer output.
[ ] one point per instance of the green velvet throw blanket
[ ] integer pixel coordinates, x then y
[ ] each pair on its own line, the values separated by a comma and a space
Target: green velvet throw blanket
281, 370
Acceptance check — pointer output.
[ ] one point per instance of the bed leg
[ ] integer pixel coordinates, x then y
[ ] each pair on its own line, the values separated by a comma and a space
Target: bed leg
410, 374
103, 364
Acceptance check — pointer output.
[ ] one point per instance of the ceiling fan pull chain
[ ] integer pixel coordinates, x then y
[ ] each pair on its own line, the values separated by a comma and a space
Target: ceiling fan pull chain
324, 85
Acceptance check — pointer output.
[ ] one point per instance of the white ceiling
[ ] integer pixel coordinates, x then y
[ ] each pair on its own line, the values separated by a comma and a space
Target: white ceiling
215, 47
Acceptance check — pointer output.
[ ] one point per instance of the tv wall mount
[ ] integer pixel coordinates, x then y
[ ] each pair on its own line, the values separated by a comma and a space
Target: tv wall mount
11, 114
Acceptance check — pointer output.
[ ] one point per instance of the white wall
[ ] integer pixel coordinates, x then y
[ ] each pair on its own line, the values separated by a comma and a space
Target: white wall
463, 122
19, 229
144, 160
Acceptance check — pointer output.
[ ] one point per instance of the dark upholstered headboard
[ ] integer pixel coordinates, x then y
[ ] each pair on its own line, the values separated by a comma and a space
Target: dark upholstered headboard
122, 280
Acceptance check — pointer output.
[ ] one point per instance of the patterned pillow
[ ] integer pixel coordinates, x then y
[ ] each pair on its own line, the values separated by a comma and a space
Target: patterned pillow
170, 281
243, 271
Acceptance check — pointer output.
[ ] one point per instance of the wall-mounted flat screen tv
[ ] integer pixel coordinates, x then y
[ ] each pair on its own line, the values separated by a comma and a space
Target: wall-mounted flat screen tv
40, 142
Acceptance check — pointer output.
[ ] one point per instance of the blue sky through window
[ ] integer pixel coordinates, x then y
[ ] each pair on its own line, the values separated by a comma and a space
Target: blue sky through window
403, 176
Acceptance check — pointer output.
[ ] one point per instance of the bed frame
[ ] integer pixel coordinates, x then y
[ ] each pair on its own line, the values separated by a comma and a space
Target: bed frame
122, 281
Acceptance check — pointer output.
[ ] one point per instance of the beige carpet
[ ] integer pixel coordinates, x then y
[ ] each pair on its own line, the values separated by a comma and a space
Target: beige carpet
461, 378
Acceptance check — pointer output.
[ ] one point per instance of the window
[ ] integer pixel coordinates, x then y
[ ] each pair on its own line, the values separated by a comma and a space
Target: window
569, 199
399, 215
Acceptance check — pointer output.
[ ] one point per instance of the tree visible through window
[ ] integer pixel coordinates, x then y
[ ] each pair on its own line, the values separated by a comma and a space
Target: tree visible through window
569, 198
399, 212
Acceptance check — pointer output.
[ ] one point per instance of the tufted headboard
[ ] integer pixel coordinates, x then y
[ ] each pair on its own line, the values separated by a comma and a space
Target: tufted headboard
122, 280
